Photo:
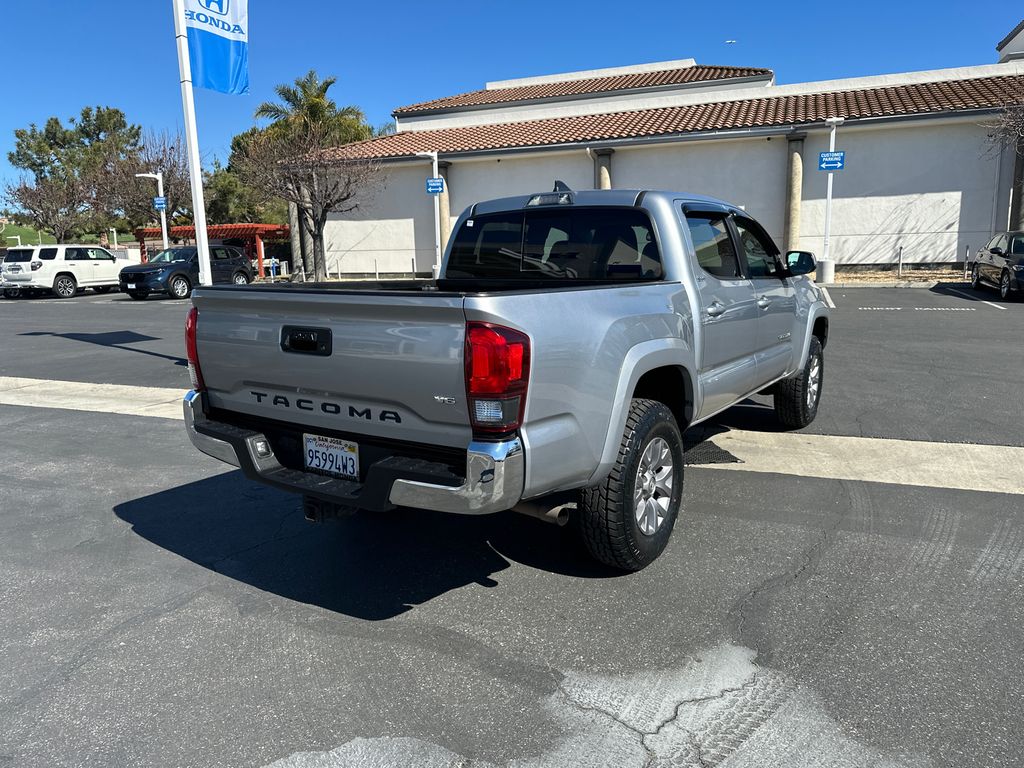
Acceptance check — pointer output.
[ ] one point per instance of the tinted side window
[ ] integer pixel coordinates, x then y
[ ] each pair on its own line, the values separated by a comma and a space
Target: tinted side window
758, 249
75, 254
1000, 242
712, 243
98, 254
1017, 245
47, 254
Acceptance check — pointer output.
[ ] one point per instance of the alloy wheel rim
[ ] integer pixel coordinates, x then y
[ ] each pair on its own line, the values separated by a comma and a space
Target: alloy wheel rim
180, 289
1004, 286
65, 287
652, 489
240, 279
813, 381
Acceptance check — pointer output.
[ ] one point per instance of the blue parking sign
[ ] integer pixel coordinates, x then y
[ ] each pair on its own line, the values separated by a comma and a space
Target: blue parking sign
832, 161
435, 186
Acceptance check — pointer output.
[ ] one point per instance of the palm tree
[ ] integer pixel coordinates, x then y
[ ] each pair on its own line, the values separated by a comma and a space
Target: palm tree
305, 106
307, 119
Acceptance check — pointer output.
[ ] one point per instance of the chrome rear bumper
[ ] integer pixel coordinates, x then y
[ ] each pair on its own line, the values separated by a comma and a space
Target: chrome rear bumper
494, 478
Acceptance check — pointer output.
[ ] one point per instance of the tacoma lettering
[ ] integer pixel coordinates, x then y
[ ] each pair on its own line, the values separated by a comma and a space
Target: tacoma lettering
331, 409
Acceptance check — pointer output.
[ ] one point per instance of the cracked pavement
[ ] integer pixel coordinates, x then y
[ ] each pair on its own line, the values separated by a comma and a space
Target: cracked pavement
159, 610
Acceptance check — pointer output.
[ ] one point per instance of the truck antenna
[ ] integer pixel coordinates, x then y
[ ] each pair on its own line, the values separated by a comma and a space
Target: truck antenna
561, 186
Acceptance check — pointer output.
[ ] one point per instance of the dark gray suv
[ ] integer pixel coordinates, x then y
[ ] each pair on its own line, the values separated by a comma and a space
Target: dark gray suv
176, 272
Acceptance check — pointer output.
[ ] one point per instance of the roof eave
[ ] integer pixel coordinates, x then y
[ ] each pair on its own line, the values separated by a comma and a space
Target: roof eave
407, 112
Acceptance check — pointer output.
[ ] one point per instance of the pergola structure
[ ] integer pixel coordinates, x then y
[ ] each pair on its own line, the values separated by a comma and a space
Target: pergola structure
253, 234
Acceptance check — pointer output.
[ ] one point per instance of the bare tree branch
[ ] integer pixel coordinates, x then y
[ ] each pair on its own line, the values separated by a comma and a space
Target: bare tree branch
305, 168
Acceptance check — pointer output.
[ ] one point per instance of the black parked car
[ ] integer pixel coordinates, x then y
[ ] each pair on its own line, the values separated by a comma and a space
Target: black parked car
1001, 264
176, 271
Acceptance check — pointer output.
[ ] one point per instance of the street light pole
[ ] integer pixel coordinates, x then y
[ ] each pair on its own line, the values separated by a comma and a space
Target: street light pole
159, 176
834, 122
432, 156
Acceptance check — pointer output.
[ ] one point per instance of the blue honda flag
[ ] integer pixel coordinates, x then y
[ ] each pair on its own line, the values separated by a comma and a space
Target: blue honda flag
218, 44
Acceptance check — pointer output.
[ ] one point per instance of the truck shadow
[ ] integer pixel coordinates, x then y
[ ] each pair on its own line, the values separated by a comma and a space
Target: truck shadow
113, 340
367, 566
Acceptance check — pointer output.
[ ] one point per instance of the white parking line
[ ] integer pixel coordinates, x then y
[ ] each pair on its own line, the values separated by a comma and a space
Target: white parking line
83, 396
974, 298
960, 466
828, 298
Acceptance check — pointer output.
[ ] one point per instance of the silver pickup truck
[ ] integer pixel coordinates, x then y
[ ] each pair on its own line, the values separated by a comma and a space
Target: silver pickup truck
571, 338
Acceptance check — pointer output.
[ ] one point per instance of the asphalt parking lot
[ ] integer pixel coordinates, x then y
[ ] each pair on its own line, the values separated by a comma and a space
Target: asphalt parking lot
160, 610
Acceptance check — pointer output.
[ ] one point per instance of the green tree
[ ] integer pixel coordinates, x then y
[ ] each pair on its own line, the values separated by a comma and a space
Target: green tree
70, 169
290, 158
229, 199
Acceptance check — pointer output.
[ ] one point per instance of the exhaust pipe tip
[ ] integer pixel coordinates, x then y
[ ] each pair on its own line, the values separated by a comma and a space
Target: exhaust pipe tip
556, 513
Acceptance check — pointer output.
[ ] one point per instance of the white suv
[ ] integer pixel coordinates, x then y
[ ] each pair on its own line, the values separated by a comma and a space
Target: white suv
63, 269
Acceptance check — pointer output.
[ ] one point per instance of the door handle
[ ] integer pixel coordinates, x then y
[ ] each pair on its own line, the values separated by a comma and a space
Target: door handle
715, 309
764, 302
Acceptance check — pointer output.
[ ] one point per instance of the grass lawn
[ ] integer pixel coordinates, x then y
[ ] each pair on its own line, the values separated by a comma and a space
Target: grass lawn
29, 236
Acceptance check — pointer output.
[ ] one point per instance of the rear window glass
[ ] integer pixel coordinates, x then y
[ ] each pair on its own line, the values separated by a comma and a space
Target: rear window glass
47, 254
14, 255
557, 244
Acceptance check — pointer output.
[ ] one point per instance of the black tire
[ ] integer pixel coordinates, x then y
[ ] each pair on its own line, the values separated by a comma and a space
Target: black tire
138, 295
1006, 293
102, 288
12, 293
240, 278
65, 286
976, 278
796, 400
607, 513
179, 287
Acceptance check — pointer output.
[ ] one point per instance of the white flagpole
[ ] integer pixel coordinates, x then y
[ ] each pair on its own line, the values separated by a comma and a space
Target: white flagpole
195, 170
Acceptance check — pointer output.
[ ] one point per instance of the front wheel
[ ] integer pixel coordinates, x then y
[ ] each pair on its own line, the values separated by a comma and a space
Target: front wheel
626, 521
975, 278
180, 287
240, 278
797, 398
1006, 291
65, 286
138, 295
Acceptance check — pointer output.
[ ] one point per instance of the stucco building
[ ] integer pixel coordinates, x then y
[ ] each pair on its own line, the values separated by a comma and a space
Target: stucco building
921, 172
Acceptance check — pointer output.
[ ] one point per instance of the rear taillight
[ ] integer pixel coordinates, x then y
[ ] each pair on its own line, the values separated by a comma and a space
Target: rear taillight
191, 350
497, 373
36, 265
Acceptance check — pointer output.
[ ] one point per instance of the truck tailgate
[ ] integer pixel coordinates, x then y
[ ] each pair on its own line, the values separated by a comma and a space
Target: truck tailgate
384, 365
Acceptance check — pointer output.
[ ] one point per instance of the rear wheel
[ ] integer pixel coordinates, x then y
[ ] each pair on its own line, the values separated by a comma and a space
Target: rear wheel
797, 398
138, 295
65, 286
180, 287
12, 293
626, 521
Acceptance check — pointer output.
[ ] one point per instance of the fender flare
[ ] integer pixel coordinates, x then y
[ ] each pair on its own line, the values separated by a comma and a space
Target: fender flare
817, 311
641, 358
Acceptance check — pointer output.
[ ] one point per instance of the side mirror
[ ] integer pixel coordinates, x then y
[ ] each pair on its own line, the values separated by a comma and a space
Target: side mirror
997, 251
800, 262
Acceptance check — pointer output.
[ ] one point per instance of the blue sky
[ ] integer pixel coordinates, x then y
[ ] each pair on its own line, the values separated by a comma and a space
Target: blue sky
65, 54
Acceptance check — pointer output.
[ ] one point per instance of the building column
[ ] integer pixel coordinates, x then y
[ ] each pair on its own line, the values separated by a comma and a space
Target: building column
603, 167
295, 236
1017, 190
794, 190
444, 205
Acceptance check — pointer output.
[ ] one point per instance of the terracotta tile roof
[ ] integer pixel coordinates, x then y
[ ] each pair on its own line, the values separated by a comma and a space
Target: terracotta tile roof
696, 73
913, 99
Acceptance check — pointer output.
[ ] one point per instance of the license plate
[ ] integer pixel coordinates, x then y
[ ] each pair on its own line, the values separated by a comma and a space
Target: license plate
131, 286
333, 456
